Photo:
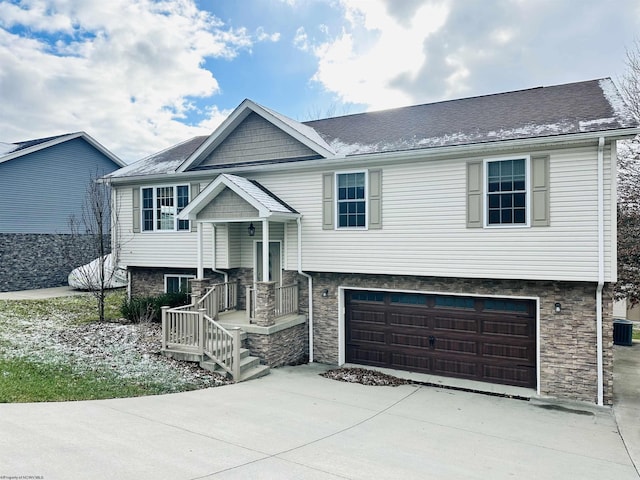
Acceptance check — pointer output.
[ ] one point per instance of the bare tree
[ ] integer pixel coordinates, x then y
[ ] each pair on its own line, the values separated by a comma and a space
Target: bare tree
628, 286
94, 228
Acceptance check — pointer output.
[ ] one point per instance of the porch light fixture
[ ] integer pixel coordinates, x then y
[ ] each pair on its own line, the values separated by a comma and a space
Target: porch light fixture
558, 307
325, 292
252, 230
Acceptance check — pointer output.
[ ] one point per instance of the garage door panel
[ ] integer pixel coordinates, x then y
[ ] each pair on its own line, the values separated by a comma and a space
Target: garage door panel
368, 316
455, 324
406, 320
404, 340
419, 363
485, 339
368, 356
449, 367
507, 327
519, 376
502, 351
463, 347
362, 335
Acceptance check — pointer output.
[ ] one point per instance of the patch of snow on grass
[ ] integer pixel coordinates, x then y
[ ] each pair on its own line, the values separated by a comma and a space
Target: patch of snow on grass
130, 351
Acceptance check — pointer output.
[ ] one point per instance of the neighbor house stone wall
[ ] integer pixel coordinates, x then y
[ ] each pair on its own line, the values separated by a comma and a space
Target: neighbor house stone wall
568, 360
29, 261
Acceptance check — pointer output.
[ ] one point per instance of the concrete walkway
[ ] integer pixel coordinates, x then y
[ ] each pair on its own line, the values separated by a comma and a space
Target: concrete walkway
41, 293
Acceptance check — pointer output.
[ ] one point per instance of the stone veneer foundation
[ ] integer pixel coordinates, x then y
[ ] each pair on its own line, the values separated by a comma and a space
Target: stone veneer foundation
568, 360
567, 340
276, 345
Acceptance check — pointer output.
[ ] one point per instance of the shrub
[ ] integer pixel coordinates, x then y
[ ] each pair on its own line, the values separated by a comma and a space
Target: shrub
148, 309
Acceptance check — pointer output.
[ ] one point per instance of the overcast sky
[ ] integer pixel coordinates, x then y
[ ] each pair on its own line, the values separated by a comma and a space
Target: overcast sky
141, 75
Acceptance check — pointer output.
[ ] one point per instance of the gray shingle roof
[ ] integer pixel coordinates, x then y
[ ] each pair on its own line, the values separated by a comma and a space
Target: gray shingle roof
166, 161
30, 143
7, 148
582, 107
260, 194
537, 112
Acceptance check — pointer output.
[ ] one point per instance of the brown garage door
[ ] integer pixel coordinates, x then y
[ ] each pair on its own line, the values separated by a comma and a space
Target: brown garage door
486, 339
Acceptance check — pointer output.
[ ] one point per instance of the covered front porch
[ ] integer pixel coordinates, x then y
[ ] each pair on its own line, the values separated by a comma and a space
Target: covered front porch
258, 300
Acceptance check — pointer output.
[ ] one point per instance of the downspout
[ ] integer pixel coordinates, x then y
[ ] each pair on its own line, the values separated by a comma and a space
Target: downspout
300, 272
600, 268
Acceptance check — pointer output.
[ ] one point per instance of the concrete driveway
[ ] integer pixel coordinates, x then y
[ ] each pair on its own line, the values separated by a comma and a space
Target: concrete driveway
295, 424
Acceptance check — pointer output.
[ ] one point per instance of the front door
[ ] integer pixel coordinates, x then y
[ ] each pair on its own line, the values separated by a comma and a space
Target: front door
275, 270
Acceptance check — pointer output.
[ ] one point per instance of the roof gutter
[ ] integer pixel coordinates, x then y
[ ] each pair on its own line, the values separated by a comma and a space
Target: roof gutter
600, 270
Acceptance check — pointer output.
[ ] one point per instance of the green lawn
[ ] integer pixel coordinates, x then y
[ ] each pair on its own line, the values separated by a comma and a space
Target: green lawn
24, 381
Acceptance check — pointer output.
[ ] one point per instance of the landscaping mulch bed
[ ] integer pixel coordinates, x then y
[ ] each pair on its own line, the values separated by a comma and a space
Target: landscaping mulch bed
364, 377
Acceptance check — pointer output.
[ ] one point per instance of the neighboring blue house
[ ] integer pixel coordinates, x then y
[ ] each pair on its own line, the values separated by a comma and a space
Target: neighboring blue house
43, 182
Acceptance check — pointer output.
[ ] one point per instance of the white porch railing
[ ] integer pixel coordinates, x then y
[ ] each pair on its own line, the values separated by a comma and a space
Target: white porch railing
220, 298
251, 303
286, 300
193, 328
181, 329
222, 345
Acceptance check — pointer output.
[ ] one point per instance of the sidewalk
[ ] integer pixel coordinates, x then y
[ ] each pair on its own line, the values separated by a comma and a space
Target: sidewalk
41, 293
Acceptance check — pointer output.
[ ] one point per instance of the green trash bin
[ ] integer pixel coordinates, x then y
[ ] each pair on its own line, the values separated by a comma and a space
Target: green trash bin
622, 332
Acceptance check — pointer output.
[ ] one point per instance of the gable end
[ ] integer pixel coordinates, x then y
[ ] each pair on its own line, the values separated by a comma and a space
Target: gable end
255, 140
226, 205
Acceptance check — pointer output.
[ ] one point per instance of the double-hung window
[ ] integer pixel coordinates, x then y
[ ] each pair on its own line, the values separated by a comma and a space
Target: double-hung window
351, 199
506, 192
161, 205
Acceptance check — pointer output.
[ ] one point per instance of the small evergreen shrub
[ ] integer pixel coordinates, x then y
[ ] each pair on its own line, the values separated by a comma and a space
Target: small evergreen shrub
149, 309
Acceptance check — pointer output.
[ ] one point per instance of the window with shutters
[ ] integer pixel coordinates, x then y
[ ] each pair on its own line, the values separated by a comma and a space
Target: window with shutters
352, 200
509, 192
160, 207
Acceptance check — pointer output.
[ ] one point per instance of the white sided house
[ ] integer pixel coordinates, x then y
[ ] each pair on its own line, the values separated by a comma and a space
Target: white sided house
472, 239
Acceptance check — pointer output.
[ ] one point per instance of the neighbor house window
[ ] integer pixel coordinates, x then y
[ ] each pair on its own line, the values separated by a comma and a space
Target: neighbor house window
507, 192
177, 283
351, 200
161, 205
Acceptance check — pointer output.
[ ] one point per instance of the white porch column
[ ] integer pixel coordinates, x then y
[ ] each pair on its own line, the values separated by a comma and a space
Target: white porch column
200, 251
265, 250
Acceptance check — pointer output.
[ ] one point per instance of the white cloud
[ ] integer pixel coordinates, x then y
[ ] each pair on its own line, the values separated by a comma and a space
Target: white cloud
364, 63
123, 70
391, 53
35, 16
263, 36
301, 40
